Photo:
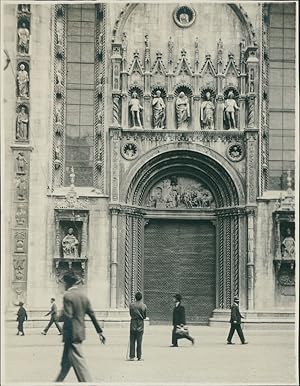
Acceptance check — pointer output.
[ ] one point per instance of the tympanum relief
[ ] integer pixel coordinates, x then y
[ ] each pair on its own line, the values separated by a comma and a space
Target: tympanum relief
181, 193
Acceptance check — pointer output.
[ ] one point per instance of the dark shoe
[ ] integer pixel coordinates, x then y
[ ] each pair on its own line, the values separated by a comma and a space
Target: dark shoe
174, 345
230, 343
140, 359
59, 333
43, 333
17, 333
130, 359
23, 334
244, 342
193, 341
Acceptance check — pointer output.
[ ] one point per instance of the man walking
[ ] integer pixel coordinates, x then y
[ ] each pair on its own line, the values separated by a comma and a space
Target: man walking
138, 313
75, 306
53, 318
21, 317
235, 321
179, 321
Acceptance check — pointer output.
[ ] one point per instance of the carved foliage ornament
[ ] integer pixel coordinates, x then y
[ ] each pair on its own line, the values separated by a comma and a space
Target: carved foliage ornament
129, 150
235, 152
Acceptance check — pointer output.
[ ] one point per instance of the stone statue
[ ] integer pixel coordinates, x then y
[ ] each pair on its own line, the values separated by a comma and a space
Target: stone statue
230, 108
184, 18
21, 188
182, 106
207, 112
159, 111
60, 34
58, 115
288, 246
59, 78
21, 163
23, 81
135, 109
70, 245
23, 43
22, 125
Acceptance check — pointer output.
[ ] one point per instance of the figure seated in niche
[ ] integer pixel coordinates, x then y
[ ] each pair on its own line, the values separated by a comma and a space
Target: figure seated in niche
70, 245
288, 246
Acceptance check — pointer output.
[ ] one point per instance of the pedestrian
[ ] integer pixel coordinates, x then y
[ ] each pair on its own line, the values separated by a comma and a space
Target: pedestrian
235, 322
179, 322
75, 305
53, 318
138, 314
22, 316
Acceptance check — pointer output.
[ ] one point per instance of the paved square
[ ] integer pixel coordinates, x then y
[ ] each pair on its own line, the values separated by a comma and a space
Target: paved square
269, 358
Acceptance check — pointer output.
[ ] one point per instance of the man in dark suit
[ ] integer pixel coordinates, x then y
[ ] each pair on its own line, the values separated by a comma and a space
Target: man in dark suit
75, 306
21, 317
235, 322
137, 312
53, 318
179, 320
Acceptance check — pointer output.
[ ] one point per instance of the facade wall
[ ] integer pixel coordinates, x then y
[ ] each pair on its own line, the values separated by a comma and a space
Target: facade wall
115, 197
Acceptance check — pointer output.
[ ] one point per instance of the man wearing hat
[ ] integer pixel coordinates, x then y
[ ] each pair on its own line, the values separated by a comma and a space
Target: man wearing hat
21, 317
75, 306
235, 322
179, 321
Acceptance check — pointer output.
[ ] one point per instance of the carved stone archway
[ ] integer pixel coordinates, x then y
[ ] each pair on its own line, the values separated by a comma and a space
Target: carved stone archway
228, 216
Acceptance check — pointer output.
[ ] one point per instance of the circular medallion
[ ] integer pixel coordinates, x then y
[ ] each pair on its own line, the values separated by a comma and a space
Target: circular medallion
235, 152
184, 16
129, 150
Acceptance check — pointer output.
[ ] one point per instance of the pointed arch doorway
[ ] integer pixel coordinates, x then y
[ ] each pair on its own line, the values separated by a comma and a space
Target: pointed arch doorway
182, 229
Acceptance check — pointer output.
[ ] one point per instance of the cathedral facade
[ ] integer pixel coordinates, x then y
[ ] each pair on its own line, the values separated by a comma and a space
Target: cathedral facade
151, 147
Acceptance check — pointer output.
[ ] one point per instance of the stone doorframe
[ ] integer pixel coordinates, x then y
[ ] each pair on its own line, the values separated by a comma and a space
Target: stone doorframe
232, 217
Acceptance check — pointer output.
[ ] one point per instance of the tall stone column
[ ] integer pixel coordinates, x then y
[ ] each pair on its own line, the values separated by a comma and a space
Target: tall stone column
114, 258
250, 260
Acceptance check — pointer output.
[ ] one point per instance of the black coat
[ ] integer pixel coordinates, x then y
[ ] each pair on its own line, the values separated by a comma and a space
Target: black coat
22, 314
178, 315
235, 314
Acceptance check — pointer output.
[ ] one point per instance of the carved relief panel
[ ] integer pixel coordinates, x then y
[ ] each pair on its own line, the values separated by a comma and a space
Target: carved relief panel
181, 193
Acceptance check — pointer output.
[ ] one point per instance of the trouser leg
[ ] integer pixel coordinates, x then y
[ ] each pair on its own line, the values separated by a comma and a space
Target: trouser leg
174, 337
240, 333
57, 326
49, 324
20, 326
79, 363
231, 332
188, 336
65, 363
139, 344
132, 340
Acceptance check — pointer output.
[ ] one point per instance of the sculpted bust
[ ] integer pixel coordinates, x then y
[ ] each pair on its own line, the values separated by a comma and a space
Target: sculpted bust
288, 246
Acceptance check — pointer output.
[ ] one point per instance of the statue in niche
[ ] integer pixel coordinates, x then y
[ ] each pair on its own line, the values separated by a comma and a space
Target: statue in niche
20, 216
58, 118
207, 112
22, 125
288, 246
23, 81
21, 188
182, 105
59, 34
159, 111
135, 109
230, 107
70, 245
23, 43
21, 163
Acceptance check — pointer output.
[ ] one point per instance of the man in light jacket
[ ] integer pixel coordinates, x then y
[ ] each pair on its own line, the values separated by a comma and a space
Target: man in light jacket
75, 306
